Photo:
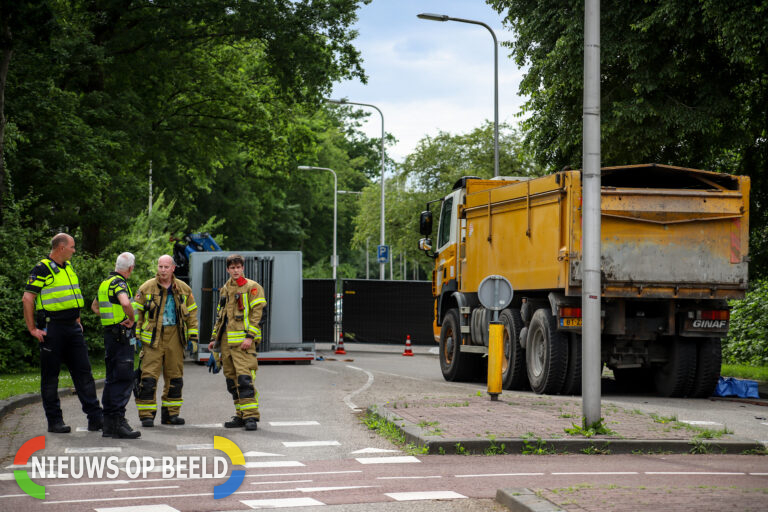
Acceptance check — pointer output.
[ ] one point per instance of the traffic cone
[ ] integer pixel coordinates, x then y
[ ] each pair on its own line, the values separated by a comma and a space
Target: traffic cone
408, 351
340, 346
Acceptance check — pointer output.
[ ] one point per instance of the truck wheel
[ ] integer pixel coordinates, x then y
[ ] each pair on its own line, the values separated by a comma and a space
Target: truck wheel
453, 363
675, 377
708, 360
514, 375
572, 385
546, 354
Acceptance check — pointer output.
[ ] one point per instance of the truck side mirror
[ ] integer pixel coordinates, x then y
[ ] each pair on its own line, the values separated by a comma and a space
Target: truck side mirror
425, 223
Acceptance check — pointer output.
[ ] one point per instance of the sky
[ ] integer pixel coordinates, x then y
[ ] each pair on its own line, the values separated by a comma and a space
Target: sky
427, 76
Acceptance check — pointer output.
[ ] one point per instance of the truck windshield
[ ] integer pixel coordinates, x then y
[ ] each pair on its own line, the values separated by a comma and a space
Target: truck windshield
444, 234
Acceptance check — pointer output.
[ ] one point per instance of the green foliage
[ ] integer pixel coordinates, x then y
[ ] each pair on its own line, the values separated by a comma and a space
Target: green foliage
596, 428
747, 340
29, 382
740, 371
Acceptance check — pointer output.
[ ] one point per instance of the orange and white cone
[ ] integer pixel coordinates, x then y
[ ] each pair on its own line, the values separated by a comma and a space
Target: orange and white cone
340, 346
408, 351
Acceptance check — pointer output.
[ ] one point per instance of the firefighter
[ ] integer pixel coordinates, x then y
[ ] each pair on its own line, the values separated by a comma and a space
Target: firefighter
167, 320
52, 301
113, 305
237, 334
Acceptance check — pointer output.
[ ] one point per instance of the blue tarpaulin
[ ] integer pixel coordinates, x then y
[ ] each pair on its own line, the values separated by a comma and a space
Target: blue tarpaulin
728, 386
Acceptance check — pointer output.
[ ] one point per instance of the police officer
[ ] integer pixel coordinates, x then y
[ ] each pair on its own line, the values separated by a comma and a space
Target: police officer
236, 334
167, 321
52, 301
113, 305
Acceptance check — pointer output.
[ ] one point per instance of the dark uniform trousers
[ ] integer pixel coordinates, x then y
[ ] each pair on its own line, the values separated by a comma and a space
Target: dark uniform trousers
64, 343
118, 384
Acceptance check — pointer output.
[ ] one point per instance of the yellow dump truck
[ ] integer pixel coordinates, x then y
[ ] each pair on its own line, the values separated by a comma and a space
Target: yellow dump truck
674, 250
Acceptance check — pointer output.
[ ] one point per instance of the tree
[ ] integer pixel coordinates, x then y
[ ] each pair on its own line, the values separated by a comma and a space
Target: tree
683, 82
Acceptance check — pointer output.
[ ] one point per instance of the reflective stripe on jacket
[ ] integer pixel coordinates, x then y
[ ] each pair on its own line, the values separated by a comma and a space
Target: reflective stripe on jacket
61, 290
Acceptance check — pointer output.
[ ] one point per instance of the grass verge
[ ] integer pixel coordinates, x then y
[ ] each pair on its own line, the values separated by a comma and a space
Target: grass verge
740, 371
29, 382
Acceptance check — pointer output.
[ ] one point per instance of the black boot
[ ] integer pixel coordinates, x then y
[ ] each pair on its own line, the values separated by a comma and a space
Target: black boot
251, 424
167, 419
235, 422
123, 430
108, 429
95, 424
59, 428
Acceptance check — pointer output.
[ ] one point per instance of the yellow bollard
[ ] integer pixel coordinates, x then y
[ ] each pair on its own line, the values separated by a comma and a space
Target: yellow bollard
495, 358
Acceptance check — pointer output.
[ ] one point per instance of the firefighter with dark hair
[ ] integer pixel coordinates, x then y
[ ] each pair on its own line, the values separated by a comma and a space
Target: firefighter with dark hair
52, 301
167, 320
237, 333
113, 305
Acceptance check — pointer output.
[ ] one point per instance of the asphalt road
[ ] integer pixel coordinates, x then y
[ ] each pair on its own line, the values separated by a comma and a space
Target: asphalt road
312, 450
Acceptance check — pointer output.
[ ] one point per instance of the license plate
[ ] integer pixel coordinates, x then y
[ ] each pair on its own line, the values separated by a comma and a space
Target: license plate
570, 322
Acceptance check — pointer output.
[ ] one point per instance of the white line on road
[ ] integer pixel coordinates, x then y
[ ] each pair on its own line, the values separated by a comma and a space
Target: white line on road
425, 495
274, 464
690, 473
140, 508
282, 503
262, 454
340, 488
373, 450
306, 473
348, 398
182, 447
95, 449
700, 423
406, 477
293, 423
597, 473
147, 488
304, 444
208, 425
6, 476
387, 460
498, 474
281, 482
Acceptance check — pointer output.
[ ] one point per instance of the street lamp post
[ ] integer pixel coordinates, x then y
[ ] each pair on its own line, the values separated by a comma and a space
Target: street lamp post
443, 17
381, 239
334, 258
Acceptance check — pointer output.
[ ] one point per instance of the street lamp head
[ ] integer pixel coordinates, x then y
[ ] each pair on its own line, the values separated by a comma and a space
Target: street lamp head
433, 17
342, 101
305, 168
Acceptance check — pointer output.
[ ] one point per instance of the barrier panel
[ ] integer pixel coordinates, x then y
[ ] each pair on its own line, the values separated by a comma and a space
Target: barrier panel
317, 311
387, 311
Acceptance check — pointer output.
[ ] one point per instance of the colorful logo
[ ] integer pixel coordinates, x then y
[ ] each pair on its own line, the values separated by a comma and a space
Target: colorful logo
21, 476
238, 475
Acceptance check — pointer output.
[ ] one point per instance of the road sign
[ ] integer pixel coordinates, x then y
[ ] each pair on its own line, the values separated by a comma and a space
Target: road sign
382, 252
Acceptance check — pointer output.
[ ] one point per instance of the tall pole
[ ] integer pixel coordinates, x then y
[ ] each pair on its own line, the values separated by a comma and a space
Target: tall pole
382, 266
443, 17
590, 294
149, 210
334, 258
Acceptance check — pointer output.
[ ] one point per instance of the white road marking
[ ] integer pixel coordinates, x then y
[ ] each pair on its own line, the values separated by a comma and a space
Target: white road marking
387, 460
19, 466
758, 474
140, 508
293, 423
6, 476
348, 398
274, 464
103, 482
304, 444
691, 473
95, 449
405, 477
208, 425
374, 450
434, 350
340, 488
81, 429
597, 473
701, 423
424, 495
19, 495
147, 488
282, 503
305, 473
262, 454
182, 447
281, 482
498, 474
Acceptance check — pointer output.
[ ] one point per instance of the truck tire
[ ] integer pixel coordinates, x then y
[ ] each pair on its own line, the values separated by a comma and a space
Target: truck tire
675, 377
514, 374
455, 365
708, 360
546, 354
572, 385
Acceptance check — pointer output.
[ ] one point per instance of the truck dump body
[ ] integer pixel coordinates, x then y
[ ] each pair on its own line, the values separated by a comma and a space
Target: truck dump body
665, 232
